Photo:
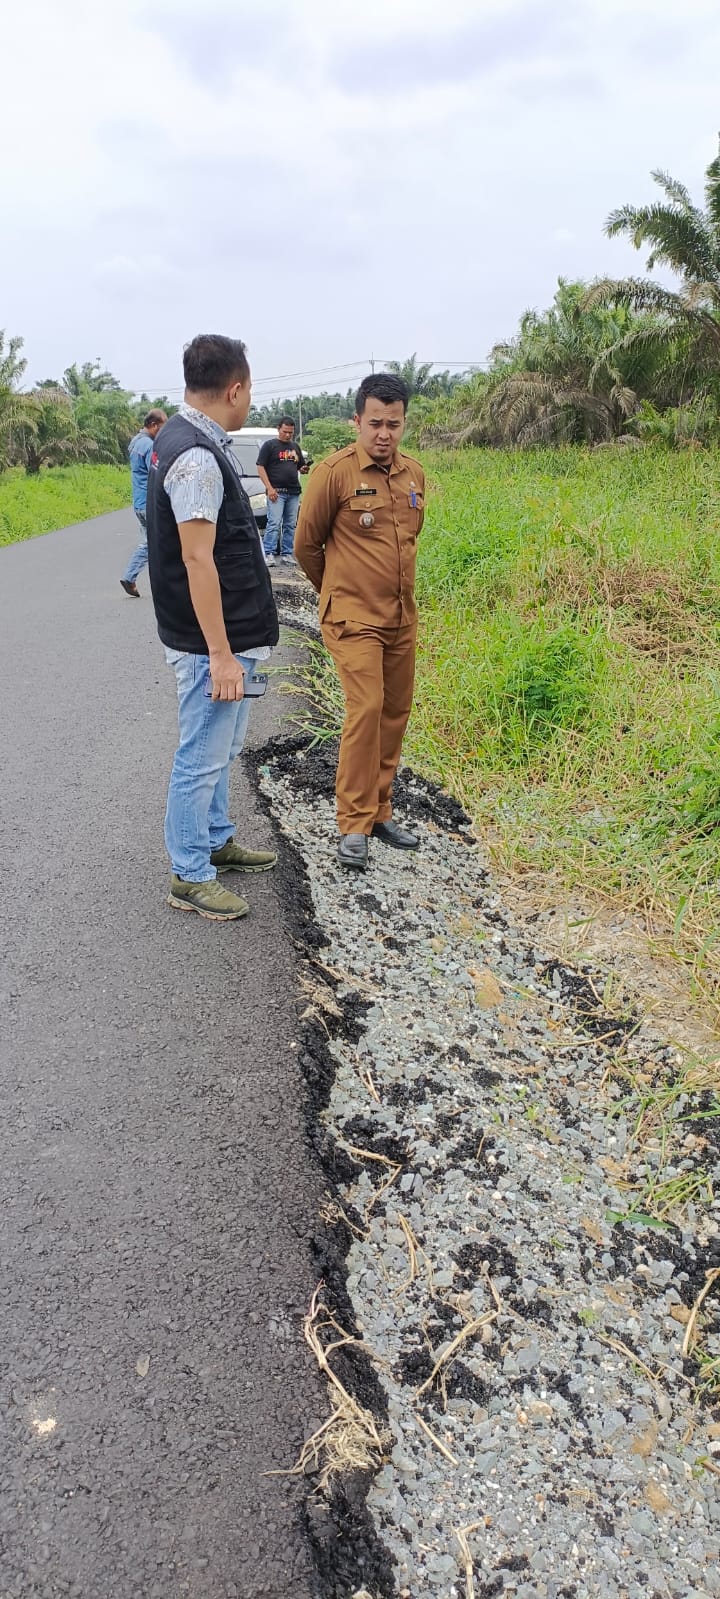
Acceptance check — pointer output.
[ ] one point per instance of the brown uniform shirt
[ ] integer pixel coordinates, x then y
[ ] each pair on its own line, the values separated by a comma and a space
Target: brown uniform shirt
356, 537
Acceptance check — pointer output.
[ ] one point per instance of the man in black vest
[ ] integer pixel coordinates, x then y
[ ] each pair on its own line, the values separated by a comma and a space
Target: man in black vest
216, 617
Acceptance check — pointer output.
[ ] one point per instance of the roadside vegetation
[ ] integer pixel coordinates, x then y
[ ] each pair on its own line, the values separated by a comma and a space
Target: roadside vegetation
63, 444
569, 669
55, 498
85, 416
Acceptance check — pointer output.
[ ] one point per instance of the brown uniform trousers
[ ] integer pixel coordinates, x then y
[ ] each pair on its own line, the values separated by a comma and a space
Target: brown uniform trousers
356, 540
376, 667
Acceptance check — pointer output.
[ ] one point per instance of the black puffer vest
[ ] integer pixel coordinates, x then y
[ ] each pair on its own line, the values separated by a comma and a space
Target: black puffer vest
247, 598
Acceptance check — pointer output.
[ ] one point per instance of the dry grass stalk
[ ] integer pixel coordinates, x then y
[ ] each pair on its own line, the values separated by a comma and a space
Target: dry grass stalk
691, 1335
462, 1534
347, 979
702, 1075
437, 1441
412, 1244
494, 1292
312, 1011
367, 1082
349, 1439
321, 995
469, 1331
332, 1212
601, 1038
655, 1377
383, 1160
395, 1173
615, 1343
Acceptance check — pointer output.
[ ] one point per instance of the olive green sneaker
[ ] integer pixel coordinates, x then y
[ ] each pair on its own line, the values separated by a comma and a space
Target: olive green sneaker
232, 858
208, 899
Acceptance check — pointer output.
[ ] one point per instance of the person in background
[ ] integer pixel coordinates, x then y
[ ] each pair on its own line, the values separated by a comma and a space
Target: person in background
278, 466
140, 450
356, 540
216, 617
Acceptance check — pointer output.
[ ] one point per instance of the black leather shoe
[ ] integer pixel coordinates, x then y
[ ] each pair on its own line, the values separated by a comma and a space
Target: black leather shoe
353, 851
398, 837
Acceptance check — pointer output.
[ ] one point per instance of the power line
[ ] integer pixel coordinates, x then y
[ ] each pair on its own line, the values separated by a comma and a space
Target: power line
448, 363
278, 377
312, 371
261, 394
264, 384
307, 388
266, 387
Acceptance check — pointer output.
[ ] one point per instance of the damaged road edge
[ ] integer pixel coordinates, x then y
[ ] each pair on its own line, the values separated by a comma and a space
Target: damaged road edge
349, 1556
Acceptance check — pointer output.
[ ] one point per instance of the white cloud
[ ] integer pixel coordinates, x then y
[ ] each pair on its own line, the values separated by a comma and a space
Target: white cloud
408, 180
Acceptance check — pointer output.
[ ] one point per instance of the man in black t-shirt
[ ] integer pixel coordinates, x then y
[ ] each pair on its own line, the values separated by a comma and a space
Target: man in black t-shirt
278, 466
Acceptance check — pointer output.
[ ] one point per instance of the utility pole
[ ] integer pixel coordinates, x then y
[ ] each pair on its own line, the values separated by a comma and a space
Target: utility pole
372, 363
299, 400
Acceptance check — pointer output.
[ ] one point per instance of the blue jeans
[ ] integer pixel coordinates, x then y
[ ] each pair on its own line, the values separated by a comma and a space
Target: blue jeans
139, 557
212, 733
282, 515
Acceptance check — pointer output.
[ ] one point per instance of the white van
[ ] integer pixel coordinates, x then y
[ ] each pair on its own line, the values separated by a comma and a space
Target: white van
246, 444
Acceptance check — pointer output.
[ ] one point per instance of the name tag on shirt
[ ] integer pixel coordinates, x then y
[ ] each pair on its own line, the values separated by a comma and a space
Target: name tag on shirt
363, 493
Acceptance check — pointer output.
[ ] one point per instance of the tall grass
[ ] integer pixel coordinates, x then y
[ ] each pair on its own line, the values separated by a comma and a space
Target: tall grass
568, 684
569, 671
58, 496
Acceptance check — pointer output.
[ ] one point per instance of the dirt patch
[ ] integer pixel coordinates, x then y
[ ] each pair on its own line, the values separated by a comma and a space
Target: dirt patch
660, 989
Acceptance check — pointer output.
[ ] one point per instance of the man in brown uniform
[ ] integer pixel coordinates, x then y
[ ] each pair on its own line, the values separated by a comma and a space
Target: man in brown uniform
356, 537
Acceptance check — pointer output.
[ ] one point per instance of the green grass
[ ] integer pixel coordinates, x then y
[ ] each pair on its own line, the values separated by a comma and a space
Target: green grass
58, 497
569, 671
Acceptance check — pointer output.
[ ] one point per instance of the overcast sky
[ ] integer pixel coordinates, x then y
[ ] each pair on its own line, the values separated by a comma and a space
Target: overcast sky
329, 181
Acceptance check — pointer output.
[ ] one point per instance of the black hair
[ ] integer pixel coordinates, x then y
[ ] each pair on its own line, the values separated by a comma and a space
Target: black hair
385, 386
211, 362
287, 421
154, 416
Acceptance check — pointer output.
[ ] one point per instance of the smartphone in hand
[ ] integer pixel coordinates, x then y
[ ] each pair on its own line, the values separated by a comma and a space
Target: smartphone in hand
253, 687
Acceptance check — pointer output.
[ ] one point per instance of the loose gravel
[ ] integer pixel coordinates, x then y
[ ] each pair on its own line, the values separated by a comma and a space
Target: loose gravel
546, 1438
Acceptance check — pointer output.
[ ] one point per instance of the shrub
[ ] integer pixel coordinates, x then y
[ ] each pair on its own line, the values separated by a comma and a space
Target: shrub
551, 683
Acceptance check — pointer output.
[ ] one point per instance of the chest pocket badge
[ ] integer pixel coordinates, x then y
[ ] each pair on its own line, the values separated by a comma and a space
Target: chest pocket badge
367, 519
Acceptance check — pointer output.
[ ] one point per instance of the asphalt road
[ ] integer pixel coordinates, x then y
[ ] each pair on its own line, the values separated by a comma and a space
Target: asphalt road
156, 1196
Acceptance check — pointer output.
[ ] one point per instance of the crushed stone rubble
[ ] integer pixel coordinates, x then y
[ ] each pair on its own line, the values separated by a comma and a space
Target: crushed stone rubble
297, 607
548, 1439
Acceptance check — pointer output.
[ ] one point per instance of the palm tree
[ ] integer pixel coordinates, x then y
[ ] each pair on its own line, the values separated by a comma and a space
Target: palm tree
46, 432
685, 329
12, 366
415, 374
106, 420
553, 382
89, 376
